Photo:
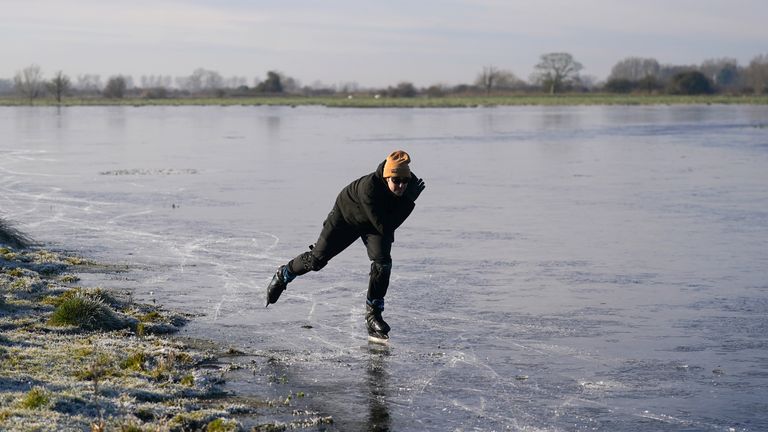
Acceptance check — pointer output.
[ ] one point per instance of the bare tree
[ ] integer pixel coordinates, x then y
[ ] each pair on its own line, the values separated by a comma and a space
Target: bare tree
635, 69
155, 86
487, 79
194, 82
290, 84
492, 78
89, 84
555, 70
348, 87
128, 82
757, 73
234, 82
201, 80
212, 80
29, 82
59, 85
182, 83
588, 82
116, 87
508, 80
156, 81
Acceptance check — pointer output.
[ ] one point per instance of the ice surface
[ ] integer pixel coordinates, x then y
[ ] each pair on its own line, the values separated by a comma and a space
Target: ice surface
577, 268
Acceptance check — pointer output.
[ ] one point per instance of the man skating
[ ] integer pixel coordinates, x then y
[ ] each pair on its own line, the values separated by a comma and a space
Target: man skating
370, 208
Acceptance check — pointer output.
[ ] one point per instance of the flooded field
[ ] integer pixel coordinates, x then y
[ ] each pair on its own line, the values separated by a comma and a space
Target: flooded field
566, 269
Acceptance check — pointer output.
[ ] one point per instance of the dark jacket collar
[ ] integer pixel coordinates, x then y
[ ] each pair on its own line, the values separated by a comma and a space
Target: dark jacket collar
379, 173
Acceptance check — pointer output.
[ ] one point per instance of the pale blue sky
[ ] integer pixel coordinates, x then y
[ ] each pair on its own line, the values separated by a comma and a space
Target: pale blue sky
374, 43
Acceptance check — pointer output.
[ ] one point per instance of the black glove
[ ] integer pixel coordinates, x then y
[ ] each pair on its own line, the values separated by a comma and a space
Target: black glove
415, 187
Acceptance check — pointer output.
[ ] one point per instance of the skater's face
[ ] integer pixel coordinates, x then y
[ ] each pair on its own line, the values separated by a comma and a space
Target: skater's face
397, 185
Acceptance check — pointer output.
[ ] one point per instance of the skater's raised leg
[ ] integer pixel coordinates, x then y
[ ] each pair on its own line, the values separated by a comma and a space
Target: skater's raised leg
279, 283
334, 238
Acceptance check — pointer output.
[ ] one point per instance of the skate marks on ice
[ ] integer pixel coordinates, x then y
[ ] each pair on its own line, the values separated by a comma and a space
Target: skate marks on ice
229, 271
456, 368
496, 382
546, 385
171, 255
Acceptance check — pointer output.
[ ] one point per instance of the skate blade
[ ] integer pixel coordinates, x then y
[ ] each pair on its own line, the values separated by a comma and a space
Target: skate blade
378, 340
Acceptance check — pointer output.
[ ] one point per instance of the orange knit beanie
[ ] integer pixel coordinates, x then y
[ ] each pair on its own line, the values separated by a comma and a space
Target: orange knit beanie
397, 164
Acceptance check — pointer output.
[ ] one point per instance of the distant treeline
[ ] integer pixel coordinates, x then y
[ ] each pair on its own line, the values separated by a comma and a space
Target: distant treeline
555, 73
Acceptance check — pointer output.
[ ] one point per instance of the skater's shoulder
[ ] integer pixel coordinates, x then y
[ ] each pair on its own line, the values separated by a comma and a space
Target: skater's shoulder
365, 184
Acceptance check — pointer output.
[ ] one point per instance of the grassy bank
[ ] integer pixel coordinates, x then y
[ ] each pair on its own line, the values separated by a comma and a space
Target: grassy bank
77, 358
417, 102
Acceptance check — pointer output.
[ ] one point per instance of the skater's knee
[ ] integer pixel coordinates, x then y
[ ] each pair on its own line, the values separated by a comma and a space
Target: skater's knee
381, 268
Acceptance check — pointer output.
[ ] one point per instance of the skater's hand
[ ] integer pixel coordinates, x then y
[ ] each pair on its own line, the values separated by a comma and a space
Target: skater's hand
415, 187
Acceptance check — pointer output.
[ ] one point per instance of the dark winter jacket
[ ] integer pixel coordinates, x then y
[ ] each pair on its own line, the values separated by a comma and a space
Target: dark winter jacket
368, 205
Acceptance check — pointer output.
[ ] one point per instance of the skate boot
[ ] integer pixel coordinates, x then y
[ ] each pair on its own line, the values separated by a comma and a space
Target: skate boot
378, 329
278, 284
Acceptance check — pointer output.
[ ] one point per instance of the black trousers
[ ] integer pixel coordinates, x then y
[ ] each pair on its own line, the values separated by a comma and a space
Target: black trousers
338, 235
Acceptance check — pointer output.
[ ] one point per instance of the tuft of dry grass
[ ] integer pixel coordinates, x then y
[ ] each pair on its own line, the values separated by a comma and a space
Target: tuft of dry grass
87, 312
36, 398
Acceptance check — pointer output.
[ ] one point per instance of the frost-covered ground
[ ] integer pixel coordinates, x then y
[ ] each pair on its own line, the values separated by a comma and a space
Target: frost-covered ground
579, 268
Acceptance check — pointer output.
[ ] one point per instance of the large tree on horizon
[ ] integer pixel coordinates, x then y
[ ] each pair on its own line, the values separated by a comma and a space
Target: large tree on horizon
273, 83
555, 70
116, 87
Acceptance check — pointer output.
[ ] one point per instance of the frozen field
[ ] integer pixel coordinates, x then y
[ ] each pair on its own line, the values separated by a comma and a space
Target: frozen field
566, 269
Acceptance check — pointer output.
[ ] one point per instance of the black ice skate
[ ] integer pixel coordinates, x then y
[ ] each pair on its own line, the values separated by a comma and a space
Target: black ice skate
276, 287
378, 329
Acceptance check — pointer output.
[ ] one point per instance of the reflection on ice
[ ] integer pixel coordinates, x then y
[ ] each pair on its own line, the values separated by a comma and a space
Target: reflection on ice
378, 392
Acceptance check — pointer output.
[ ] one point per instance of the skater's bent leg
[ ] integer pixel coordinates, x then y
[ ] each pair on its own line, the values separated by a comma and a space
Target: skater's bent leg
379, 282
379, 251
334, 238
381, 268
